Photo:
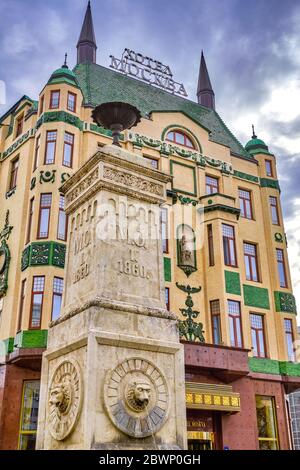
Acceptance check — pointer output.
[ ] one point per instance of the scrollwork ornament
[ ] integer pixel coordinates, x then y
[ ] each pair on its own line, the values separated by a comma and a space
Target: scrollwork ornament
65, 399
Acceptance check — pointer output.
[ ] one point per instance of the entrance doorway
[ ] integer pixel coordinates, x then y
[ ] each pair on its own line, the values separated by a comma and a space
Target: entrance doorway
201, 441
203, 430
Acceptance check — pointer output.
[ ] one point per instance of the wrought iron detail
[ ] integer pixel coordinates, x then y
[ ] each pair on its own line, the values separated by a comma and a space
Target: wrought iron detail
188, 328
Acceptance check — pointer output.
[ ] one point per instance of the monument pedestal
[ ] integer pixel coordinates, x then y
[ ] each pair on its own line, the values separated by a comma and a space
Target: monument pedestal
113, 373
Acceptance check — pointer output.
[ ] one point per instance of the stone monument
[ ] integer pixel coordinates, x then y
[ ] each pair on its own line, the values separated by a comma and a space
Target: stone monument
113, 373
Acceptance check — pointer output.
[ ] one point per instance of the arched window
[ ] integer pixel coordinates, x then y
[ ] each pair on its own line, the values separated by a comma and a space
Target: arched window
180, 138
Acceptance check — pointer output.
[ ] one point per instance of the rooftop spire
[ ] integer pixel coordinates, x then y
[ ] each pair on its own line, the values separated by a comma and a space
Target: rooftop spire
205, 93
254, 136
86, 46
65, 65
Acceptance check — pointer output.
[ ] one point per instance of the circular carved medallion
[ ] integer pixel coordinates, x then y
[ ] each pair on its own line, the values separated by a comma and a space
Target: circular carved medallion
65, 397
136, 397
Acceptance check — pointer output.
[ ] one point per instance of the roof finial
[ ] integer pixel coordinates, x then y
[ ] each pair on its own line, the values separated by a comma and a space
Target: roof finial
254, 136
65, 66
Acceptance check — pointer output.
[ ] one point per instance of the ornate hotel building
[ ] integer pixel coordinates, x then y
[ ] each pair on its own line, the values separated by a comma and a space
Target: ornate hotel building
227, 278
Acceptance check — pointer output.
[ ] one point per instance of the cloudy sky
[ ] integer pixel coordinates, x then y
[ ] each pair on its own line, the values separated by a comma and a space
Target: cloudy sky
252, 51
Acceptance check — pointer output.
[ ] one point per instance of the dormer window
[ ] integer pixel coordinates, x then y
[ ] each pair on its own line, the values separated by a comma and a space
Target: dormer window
41, 109
19, 128
178, 137
54, 99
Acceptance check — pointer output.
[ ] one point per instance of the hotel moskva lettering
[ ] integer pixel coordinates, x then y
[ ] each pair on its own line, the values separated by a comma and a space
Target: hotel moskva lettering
148, 70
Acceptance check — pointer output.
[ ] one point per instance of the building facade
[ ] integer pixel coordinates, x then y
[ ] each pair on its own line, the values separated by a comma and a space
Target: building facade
225, 263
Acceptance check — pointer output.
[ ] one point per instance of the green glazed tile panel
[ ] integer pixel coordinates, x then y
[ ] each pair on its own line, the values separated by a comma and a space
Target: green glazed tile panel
256, 296
31, 339
246, 176
167, 269
60, 116
6, 346
285, 302
232, 283
270, 366
44, 254
290, 368
268, 183
264, 366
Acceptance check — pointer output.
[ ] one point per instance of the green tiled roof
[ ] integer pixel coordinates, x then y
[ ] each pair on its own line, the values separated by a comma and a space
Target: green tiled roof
63, 75
100, 84
256, 145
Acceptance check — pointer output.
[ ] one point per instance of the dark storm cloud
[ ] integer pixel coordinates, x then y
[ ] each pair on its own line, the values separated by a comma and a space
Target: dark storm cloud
287, 129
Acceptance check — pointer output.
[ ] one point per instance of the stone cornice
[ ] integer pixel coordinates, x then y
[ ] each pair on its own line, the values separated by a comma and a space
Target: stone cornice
119, 306
118, 170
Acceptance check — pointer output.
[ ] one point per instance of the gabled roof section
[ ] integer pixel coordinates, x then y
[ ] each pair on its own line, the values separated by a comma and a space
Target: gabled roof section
100, 84
16, 106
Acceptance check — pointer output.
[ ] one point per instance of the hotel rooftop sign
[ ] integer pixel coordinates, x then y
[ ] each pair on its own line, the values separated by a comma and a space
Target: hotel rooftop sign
148, 70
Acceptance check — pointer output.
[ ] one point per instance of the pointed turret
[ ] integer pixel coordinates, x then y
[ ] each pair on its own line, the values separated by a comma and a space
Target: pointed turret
86, 46
205, 93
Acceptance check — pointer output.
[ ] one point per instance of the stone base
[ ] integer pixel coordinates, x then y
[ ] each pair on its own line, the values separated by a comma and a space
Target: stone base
113, 380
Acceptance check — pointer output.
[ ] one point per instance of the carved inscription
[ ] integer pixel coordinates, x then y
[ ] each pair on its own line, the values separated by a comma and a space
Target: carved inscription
132, 267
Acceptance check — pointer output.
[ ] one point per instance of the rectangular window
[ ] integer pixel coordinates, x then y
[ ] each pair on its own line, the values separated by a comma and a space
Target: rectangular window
289, 338
245, 203
21, 304
58, 287
13, 173
71, 104
30, 217
266, 423
36, 153
212, 184
44, 216
229, 245
68, 149
269, 171
50, 147
62, 220
274, 210
153, 161
37, 301
281, 268
167, 295
19, 125
258, 335
210, 238
235, 325
251, 262
164, 229
215, 321
54, 99
41, 105
29, 415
